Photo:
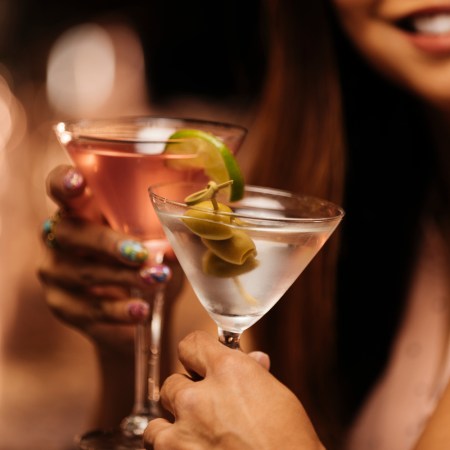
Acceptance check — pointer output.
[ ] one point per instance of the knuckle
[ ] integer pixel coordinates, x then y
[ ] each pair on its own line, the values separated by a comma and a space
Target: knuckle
97, 312
43, 275
227, 361
114, 311
59, 309
163, 440
190, 340
86, 275
104, 238
52, 301
185, 398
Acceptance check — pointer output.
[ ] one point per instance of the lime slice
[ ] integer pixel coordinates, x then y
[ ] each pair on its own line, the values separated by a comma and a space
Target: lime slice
213, 156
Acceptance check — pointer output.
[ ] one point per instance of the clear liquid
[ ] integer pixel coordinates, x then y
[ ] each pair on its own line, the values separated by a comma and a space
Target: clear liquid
237, 302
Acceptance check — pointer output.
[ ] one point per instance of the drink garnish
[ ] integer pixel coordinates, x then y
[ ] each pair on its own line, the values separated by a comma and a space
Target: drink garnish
212, 156
230, 252
209, 193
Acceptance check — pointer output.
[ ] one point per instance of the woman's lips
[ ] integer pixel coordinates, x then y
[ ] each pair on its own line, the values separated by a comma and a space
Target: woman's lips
428, 31
438, 44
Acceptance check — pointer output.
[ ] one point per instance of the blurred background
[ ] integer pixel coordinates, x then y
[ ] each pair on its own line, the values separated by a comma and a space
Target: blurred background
95, 58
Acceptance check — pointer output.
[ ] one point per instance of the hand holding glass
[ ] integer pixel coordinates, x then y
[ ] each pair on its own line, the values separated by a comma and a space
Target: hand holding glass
119, 158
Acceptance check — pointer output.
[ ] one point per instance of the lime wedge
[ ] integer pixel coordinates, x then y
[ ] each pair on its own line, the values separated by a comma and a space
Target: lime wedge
213, 156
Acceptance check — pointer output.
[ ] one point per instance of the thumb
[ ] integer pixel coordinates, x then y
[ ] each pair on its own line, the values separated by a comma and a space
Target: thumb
67, 187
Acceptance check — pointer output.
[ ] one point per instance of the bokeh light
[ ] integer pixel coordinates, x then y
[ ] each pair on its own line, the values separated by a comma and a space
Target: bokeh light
81, 70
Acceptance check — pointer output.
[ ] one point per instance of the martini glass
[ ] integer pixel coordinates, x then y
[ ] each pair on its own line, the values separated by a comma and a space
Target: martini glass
241, 261
120, 158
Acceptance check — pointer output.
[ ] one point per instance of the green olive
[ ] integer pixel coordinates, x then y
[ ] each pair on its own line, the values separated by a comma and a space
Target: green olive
209, 225
235, 250
217, 267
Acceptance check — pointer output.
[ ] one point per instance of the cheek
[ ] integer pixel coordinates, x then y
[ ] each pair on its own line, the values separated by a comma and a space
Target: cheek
356, 19
350, 6
388, 50
356, 14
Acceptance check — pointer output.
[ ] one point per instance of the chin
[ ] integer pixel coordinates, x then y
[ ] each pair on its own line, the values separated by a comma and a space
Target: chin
437, 96
441, 104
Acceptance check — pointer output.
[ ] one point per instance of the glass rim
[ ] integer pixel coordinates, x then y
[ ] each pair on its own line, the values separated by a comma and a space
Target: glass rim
338, 215
78, 128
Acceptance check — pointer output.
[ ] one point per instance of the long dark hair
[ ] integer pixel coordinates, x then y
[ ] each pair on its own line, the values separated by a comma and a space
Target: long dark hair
331, 127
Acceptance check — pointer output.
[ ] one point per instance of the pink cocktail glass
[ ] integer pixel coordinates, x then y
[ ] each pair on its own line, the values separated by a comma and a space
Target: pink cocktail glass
119, 159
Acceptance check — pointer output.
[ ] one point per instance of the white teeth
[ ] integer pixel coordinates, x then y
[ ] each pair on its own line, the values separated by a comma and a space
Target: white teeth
436, 24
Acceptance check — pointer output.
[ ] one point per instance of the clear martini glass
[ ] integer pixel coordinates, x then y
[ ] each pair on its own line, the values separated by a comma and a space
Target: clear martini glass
241, 261
119, 159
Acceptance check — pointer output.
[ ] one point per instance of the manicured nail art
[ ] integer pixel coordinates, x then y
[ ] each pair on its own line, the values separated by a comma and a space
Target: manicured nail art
133, 251
48, 232
73, 180
156, 274
138, 310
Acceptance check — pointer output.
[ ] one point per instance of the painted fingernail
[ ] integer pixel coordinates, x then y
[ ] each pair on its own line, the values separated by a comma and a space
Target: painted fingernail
73, 180
47, 226
138, 310
48, 232
133, 251
156, 274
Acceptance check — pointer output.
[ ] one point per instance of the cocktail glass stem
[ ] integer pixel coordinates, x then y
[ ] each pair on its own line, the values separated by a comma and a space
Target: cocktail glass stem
230, 338
155, 352
147, 366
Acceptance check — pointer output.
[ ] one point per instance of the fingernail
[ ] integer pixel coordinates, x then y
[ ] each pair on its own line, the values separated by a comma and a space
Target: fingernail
156, 274
138, 310
261, 358
47, 226
48, 232
73, 180
133, 251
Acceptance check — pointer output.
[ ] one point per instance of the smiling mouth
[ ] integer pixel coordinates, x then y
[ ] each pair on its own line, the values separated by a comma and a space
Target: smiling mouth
436, 24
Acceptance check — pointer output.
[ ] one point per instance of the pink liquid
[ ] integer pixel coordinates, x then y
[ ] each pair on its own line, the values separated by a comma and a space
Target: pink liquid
119, 178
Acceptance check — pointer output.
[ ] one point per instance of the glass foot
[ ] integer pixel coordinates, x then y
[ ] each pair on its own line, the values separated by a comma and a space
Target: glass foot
109, 440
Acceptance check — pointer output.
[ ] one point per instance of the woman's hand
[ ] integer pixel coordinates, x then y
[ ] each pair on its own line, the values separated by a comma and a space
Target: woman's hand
90, 269
230, 401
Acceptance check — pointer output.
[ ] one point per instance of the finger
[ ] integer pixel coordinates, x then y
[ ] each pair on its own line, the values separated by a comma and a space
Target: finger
98, 239
82, 274
176, 390
261, 358
64, 182
154, 428
81, 310
198, 350
67, 187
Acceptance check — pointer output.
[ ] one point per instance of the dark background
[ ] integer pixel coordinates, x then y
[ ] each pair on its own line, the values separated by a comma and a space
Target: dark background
207, 48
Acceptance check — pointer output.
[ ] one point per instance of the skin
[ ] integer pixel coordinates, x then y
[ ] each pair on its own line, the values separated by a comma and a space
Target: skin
207, 413
68, 282
372, 27
233, 404
230, 402
87, 255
